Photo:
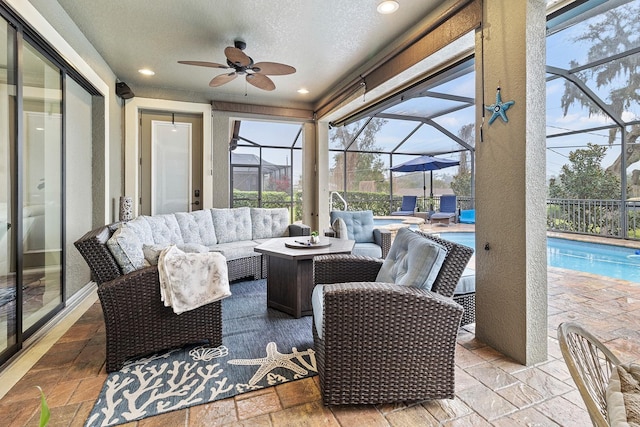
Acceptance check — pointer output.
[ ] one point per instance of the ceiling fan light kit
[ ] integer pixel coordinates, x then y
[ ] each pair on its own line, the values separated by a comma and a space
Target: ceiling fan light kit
255, 73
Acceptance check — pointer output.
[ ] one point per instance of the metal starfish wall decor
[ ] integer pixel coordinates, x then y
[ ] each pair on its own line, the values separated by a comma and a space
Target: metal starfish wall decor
499, 108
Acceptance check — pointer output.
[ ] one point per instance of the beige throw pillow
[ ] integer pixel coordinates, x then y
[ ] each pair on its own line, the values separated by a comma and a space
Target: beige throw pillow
623, 396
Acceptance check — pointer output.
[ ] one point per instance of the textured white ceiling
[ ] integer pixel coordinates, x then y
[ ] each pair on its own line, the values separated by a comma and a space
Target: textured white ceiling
325, 40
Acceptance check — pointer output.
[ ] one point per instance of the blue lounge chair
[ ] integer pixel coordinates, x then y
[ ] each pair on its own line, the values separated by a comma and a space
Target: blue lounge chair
408, 206
448, 210
467, 216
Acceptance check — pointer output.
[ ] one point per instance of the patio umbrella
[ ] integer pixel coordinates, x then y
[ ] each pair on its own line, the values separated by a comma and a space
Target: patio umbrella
425, 163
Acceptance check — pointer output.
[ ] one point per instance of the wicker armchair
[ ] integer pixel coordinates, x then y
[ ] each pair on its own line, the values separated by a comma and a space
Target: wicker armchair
590, 363
383, 342
136, 321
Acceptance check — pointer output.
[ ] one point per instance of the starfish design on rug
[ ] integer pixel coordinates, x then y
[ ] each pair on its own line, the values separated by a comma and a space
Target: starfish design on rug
499, 108
273, 360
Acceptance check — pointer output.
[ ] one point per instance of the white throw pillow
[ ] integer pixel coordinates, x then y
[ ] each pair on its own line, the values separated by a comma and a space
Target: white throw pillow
340, 228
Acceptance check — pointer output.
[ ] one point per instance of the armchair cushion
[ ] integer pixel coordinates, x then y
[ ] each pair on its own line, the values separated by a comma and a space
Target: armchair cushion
412, 261
623, 395
317, 303
367, 249
359, 224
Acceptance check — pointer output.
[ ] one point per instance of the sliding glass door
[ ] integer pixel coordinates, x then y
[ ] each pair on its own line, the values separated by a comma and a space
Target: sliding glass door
8, 282
31, 183
41, 186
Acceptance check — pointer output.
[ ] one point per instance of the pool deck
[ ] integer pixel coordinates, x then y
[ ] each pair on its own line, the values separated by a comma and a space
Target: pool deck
491, 389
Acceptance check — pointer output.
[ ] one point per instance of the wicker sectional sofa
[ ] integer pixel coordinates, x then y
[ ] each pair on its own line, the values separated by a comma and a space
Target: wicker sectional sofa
120, 257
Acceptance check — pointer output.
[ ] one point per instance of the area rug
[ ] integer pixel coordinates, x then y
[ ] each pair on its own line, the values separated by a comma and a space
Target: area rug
261, 348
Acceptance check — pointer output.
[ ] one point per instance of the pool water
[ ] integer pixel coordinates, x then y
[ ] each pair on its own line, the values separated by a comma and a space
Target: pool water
605, 260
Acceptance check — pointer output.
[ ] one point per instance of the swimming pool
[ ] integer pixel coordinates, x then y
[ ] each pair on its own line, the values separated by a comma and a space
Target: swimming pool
381, 222
605, 260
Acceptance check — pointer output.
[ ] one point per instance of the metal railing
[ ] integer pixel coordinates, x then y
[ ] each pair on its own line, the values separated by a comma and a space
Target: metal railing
339, 196
610, 218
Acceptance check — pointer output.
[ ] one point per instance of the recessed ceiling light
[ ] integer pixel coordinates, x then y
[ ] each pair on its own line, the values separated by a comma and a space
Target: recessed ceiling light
303, 91
388, 6
146, 72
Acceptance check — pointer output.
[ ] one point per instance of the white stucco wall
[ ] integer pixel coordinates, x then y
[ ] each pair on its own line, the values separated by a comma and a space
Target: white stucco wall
511, 277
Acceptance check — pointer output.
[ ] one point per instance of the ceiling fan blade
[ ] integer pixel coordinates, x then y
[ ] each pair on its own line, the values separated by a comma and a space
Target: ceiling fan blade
204, 64
273, 68
237, 56
261, 81
221, 79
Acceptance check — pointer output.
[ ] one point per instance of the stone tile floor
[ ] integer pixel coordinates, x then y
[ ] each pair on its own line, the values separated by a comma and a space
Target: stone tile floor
491, 389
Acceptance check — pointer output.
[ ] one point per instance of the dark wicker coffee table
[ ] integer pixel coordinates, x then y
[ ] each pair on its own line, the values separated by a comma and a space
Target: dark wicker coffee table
290, 271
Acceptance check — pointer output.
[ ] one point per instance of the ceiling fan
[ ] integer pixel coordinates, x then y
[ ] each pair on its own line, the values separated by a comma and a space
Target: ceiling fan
256, 73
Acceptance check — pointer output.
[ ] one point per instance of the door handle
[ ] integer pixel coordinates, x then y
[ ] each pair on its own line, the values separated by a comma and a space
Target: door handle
197, 203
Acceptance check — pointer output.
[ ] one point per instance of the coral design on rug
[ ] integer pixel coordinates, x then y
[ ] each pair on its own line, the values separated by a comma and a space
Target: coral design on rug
164, 384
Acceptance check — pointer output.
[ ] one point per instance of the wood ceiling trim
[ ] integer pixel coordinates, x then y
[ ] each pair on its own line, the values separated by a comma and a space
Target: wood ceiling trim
265, 110
463, 16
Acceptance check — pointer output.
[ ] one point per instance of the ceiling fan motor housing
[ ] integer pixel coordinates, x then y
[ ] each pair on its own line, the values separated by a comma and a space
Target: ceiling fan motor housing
242, 69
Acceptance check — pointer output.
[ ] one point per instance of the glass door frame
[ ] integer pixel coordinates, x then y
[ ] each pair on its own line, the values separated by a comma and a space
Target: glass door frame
24, 33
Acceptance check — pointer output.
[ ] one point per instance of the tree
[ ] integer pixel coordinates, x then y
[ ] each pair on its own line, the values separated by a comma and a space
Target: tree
616, 32
362, 165
461, 183
584, 177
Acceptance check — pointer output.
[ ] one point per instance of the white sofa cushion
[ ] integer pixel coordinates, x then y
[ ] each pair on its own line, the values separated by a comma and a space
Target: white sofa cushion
165, 229
269, 223
142, 228
235, 250
232, 225
197, 227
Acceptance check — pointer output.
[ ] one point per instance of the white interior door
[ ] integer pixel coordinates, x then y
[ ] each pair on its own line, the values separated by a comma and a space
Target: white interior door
171, 153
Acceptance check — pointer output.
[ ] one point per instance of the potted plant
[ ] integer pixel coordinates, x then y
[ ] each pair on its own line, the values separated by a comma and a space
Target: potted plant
45, 414
314, 237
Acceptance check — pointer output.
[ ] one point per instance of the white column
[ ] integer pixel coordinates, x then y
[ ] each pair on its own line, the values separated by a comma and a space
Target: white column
511, 273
